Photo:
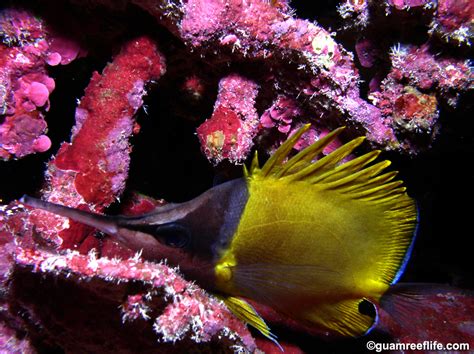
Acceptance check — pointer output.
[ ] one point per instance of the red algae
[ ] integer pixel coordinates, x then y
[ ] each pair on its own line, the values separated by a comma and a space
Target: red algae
102, 166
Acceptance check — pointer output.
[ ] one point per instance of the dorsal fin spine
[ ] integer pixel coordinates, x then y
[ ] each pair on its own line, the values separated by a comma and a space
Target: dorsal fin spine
329, 160
347, 168
357, 163
283, 151
389, 196
366, 174
349, 178
388, 187
245, 171
310, 152
376, 181
254, 166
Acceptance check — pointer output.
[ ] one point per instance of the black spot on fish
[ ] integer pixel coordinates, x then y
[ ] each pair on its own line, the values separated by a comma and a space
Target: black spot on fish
367, 308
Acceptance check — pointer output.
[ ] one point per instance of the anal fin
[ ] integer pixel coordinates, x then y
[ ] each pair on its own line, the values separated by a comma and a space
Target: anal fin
343, 317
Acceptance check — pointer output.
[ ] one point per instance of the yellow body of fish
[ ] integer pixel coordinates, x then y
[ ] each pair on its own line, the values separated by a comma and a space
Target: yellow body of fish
317, 238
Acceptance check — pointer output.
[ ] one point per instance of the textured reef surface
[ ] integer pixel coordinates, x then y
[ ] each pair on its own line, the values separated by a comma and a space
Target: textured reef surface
100, 99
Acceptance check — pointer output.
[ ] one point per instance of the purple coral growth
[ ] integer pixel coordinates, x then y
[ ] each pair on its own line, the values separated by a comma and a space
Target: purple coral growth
281, 114
454, 21
26, 46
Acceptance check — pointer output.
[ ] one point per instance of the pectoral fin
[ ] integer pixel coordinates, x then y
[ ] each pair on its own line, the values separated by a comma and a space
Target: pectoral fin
246, 313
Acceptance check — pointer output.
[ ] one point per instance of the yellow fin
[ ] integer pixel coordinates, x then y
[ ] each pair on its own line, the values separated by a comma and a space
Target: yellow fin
254, 165
326, 163
300, 167
278, 285
274, 167
352, 179
246, 313
277, 158
305, 156
343, 317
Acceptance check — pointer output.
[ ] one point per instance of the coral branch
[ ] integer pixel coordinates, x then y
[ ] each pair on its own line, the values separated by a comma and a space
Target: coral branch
229, 132
105, 117
92, 169
415, 69
137, 303
322, 70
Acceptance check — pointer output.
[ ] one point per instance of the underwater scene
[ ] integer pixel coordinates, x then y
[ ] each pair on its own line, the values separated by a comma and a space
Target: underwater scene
236, 176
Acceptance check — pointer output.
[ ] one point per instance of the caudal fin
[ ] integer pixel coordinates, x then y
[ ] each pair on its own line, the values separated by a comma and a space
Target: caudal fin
428, 312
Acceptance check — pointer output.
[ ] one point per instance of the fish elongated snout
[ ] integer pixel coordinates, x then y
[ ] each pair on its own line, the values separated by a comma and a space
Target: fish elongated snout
133, 232
155, 236
102, 223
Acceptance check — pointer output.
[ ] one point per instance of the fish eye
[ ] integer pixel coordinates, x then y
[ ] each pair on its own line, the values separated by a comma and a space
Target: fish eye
177, 240
173, 235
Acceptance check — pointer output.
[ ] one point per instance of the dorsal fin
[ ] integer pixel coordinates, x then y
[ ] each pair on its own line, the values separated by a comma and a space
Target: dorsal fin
352, 177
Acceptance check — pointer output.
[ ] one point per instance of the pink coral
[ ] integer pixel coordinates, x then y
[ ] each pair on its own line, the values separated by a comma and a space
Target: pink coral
62, 51
427, 71
94, 174
165, 309
281, 114
415, 69
366, 52
355, 13
327, 75
407, 4
455, 20
414, 110
105, 115
229, 132
450, 19
91, 176
24, 83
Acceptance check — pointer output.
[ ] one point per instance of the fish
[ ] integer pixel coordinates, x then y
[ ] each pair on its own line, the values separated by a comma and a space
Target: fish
312, 237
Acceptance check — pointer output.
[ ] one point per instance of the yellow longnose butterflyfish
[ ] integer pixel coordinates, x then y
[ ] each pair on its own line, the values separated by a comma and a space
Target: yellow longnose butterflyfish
310, 238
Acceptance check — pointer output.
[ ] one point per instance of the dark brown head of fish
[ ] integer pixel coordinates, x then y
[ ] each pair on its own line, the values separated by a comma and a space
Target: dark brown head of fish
190, 235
